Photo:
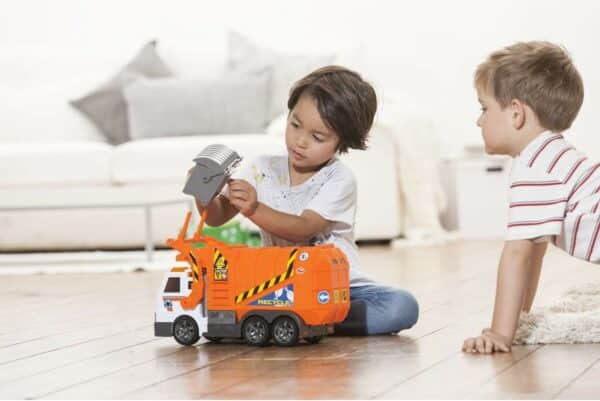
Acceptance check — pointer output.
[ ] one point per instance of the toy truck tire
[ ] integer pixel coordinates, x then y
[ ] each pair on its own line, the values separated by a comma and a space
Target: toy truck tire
313, 339
285, 331
255, 331
185, 330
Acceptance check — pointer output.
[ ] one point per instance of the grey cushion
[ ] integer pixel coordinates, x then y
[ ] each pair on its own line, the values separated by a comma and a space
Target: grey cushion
106, 107
245, 57
173, 107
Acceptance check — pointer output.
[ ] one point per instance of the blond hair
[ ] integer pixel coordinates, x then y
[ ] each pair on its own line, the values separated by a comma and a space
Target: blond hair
540, 74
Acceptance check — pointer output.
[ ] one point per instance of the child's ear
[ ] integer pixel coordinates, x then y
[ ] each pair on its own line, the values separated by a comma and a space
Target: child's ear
517, 109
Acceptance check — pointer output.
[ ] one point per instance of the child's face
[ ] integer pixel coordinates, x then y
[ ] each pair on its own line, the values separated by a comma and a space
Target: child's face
496, 125
309, 141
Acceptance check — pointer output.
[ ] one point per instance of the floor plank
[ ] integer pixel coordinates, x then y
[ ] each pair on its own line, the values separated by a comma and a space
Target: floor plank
542, 375
585, 386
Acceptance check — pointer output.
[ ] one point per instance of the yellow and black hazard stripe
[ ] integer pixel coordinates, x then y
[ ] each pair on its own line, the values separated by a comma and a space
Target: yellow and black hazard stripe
219, 261
289, 272
220, 269
194, 264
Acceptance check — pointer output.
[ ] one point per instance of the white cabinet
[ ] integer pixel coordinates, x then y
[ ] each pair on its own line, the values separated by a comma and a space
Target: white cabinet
477, 189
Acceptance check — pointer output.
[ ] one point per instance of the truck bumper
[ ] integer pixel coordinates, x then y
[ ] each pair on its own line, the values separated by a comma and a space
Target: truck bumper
163, 329
311, 331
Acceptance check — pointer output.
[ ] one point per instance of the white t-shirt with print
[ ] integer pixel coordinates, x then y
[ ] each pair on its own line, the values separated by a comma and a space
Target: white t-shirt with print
555, 195
330, 192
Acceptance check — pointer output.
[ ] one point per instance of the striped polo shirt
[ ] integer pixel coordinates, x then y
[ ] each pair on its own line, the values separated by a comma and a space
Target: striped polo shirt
554, 195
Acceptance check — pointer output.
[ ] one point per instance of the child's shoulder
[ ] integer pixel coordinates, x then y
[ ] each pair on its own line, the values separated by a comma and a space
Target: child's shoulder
338, 171
547, 156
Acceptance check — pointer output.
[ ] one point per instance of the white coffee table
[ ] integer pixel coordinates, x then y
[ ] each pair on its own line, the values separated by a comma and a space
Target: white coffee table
98, 198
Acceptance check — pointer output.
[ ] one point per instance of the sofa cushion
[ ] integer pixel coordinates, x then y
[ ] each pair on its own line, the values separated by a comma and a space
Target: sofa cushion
175, 107
68, 163
168, 159
106, 107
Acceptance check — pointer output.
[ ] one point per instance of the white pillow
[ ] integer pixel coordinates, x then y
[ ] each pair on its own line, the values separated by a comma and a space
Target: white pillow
175, 107
246, 57
105, 105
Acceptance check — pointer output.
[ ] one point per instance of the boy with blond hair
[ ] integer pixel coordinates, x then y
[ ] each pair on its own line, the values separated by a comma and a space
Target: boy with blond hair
531, 92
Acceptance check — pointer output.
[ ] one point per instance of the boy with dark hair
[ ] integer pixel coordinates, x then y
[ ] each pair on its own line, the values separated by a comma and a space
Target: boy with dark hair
309, 197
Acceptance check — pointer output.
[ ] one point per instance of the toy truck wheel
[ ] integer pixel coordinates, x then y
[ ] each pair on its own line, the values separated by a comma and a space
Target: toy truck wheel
285, 331
256, 331
185, 331
313, 339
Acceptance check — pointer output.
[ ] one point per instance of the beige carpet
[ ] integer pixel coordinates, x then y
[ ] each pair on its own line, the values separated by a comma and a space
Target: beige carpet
575, 318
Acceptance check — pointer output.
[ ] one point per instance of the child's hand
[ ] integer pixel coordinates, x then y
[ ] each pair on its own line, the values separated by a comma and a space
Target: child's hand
487, 343
242, 195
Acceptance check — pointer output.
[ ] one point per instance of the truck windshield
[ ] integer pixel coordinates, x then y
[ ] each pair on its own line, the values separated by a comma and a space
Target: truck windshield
172, 285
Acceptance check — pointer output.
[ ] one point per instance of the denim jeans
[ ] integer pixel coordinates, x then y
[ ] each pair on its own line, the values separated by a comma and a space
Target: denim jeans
378, 309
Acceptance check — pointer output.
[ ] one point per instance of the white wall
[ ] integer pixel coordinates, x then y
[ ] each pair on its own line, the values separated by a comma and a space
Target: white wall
426, 49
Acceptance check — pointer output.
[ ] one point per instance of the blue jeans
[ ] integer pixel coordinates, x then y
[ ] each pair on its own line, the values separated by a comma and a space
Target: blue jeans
378, 309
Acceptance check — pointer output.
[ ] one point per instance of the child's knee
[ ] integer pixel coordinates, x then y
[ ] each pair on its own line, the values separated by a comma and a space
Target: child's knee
406, 310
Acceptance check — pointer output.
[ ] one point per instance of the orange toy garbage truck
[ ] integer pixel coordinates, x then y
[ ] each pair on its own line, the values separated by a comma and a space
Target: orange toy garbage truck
257, 294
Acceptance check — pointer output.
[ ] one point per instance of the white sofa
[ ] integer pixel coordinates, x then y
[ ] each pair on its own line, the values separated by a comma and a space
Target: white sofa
46, 146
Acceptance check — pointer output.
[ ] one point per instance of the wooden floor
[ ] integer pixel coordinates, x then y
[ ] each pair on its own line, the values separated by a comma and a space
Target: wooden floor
91, 336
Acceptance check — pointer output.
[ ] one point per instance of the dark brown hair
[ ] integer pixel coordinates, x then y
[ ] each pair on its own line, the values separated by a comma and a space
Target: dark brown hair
346, 103
540, 74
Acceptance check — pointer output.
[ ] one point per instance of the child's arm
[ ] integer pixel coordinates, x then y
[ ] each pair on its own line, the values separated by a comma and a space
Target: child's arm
535, 268
287, 226
511, 285
513, 277
219, 211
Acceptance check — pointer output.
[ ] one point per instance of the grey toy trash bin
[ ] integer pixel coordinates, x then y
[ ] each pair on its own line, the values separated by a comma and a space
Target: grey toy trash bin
214, 166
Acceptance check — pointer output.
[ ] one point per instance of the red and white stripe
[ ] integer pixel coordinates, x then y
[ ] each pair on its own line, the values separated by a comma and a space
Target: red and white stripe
582, 181
557, 158
535, 223
574, 236
593, 242
541, 148
555, 192
595, 208
573, 169
538, 203
535, 183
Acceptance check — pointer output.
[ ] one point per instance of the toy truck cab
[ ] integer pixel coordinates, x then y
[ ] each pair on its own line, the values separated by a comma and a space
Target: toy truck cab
170, 318
258, 294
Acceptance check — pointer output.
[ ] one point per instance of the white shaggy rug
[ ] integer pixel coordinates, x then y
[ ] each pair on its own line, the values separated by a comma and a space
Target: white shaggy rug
575, 318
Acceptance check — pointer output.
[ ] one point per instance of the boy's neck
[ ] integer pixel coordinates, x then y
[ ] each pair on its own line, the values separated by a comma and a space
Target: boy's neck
299, 176
525, 137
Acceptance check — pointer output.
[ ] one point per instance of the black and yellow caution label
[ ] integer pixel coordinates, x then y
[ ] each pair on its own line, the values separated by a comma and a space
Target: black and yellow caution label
289, 272
344, 295
220, 267
194, 264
